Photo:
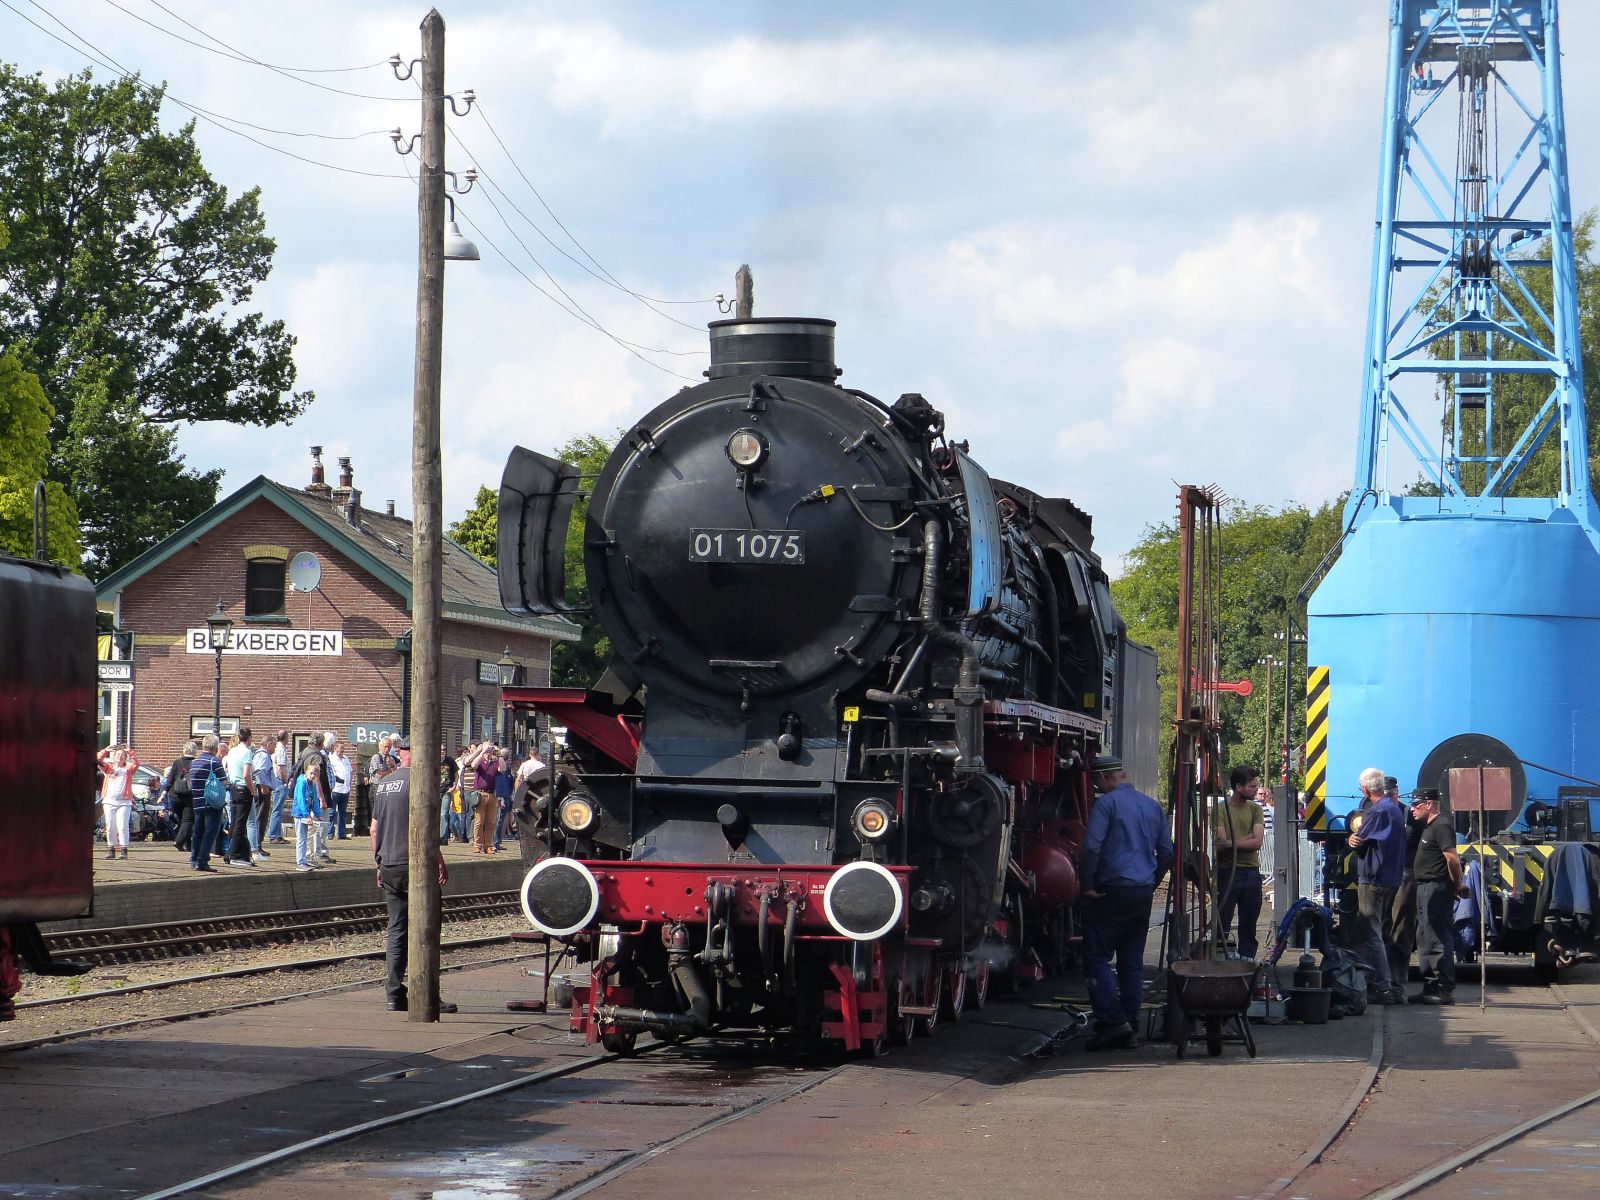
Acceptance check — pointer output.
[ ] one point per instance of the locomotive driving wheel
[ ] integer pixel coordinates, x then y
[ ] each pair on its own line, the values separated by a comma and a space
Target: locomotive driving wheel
932, 999
977, 975
955, 990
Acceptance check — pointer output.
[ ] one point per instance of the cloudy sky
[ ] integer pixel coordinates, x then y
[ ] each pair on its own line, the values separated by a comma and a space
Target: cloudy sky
1120, 245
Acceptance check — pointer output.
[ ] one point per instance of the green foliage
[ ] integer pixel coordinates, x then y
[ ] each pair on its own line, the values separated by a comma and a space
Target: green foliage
1518, 398
24, 450
475, 532
1266, 557
573, 664
124, 288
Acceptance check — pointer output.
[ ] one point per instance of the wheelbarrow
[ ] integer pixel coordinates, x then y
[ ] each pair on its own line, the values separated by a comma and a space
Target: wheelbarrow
1217, 993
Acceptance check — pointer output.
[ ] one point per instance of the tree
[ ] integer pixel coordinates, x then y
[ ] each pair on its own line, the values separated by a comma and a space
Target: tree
24, 447
24, 450
1266, 557
125, 288
1518, 398
572, 664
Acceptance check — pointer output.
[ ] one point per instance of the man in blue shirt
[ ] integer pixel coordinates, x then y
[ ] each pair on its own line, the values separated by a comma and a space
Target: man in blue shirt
1379, 843
207, 816
1127, 851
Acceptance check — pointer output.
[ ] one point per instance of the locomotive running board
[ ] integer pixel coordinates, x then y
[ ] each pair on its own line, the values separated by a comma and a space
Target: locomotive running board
1046, 716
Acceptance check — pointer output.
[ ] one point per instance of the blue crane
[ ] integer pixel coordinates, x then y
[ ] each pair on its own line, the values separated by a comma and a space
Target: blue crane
1465, 602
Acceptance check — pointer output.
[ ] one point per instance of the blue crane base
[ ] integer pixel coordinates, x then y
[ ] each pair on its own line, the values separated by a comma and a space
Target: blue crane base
1434, 625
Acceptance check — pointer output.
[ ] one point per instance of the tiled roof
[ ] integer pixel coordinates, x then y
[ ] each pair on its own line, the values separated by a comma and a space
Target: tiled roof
378, 542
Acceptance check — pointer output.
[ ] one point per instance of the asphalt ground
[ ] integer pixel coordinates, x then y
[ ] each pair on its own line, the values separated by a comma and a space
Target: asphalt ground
1006, 1099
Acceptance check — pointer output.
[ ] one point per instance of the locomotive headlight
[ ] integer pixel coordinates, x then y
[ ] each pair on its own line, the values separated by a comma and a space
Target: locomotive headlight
872, 820
577, 815
747, 449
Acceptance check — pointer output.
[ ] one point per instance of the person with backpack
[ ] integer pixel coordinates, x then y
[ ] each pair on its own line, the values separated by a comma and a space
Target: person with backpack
208, 785
176, 786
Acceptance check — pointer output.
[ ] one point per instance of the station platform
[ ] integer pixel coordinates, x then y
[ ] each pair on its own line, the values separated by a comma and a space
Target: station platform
154, 883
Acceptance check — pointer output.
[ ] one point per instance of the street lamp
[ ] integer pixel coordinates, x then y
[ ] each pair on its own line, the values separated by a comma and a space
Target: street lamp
218, 630
508, 676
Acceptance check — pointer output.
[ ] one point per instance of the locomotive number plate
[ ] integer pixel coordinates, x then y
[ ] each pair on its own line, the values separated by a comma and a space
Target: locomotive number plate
783, 546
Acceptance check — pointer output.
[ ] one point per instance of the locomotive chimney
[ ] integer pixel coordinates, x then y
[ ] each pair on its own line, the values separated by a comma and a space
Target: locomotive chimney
799, 347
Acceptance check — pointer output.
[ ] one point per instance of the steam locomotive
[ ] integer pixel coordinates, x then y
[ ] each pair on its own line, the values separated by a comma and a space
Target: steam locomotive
835, 781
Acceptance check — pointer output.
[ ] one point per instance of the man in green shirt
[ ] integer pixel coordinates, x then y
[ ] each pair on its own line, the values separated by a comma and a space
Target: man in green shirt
1239, 830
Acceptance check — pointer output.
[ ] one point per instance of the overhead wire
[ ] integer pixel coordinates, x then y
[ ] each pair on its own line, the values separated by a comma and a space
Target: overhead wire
101, 58
229, 124
237, 56
534, 284
555, 283
539, 196
575, 311
287, 72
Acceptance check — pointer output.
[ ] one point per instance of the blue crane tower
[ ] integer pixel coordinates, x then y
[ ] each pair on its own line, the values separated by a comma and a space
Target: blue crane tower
1466, 598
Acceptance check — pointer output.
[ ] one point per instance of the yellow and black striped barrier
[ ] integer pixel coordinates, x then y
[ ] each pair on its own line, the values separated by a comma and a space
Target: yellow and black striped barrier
1317, 690
1516, 868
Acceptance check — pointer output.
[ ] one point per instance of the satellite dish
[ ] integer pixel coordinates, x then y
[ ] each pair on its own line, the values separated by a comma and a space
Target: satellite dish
305, 572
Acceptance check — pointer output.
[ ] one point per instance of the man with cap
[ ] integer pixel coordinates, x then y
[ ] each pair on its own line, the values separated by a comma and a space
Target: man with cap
1437, 869
1126, 852
1378, 839
391, 824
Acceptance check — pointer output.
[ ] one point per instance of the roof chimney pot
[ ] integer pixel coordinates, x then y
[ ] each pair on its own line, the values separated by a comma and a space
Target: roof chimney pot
388, 507
319, 480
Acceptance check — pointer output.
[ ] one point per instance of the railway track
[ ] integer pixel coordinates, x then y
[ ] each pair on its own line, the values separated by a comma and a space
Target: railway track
1418, 1182
211, 1009
182, 939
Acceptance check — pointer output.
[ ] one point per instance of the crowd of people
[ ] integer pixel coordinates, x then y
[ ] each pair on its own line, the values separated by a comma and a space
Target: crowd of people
1408, 876
234, 799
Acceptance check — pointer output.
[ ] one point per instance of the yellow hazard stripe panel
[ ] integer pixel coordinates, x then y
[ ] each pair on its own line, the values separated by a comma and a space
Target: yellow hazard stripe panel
1534, 861
1318, 693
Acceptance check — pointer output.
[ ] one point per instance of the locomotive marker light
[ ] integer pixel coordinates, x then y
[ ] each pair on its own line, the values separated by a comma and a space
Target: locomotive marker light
747, 450
872, 821
862, 901
560, 896
577, 816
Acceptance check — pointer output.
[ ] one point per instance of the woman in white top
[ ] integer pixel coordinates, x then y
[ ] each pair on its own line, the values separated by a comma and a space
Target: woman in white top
341, 771
117, 764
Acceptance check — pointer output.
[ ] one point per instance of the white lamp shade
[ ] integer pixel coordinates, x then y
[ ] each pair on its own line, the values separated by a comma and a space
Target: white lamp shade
456, 246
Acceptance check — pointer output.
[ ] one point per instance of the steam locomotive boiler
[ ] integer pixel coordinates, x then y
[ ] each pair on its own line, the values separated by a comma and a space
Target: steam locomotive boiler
835, 781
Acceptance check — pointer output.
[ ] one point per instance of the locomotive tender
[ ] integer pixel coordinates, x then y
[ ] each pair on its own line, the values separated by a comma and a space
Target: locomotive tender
47, 775
835, 780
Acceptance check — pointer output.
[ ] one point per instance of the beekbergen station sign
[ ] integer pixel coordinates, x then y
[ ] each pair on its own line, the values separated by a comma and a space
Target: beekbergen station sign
320, 643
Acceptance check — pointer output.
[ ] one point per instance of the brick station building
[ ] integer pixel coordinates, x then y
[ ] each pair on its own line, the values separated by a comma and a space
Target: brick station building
326, 659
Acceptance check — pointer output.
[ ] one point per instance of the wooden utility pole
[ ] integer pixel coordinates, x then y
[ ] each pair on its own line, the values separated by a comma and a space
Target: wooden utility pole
744, 293
422, 950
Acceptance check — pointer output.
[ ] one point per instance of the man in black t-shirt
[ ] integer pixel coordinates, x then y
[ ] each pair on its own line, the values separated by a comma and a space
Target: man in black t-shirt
391, 822
1437, 868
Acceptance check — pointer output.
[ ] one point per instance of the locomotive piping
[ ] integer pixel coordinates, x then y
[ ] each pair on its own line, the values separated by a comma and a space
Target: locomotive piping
968, 692
1052, 620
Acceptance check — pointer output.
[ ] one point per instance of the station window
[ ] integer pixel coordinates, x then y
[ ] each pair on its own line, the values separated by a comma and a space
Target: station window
264, 587
466, 719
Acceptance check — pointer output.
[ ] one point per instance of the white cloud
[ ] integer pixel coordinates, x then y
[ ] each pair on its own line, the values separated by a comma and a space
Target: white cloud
1117, 249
